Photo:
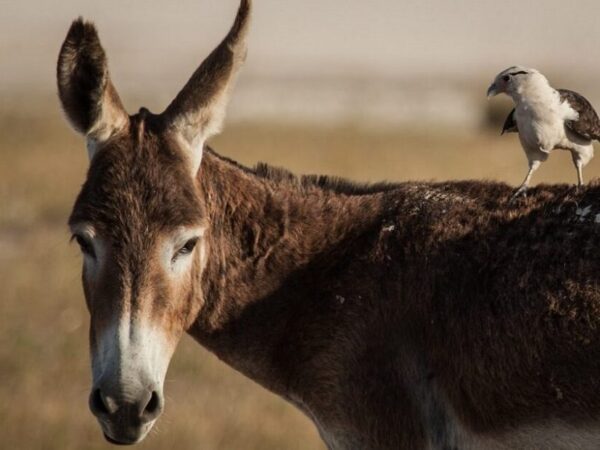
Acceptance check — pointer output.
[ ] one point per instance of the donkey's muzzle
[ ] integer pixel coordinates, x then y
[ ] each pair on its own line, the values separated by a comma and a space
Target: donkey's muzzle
126, 417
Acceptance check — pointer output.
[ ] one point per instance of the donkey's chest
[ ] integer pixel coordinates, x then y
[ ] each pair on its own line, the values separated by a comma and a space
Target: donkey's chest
442, 430
554, 435
548, 436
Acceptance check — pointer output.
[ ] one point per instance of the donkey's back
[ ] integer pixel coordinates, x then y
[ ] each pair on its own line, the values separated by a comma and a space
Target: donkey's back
480, 326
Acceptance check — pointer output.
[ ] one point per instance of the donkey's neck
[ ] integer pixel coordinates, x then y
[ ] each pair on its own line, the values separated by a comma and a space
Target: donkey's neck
269, 242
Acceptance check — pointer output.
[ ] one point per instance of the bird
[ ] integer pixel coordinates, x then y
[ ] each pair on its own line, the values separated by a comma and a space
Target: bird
546, 119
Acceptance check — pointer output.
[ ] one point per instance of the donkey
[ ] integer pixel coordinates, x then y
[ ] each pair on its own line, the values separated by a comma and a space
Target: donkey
395, 316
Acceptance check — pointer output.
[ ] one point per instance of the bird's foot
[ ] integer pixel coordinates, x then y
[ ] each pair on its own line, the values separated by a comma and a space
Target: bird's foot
521, 192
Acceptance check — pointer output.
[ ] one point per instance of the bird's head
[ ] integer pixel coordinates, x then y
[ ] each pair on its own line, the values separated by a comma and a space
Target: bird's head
513, 80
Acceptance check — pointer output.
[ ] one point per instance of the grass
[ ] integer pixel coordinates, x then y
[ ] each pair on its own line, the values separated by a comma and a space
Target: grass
44, 370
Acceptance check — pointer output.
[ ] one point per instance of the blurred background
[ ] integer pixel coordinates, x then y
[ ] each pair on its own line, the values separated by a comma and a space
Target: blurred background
375, 90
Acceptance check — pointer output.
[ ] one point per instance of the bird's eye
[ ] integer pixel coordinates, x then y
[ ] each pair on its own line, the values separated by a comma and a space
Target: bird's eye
85, 245
505, 78
186, 249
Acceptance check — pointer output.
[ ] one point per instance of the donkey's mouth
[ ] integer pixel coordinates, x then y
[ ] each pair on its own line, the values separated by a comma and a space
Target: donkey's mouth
128, 436
125, 440
115, 442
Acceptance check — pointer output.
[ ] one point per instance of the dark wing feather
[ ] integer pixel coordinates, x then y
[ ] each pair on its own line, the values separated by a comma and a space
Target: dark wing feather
588, 125
510, 124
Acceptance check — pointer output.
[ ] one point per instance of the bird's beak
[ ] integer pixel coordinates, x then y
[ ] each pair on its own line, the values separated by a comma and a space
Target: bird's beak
492, 90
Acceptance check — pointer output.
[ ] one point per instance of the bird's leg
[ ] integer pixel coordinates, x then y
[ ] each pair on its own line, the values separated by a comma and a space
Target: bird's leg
579, 166
533, 166
581, 155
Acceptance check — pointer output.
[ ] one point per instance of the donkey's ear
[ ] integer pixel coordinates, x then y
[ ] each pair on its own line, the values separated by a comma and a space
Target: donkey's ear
87, 95
198, 111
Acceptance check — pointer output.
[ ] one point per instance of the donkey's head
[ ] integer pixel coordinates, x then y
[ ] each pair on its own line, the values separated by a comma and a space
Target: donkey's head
140, 221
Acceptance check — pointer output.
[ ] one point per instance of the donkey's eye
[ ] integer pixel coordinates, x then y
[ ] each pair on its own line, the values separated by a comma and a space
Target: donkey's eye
186, 249
85, 245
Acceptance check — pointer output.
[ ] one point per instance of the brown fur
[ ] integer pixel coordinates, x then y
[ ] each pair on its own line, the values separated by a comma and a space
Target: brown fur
200, 105
86, 92
481, 298
396, 316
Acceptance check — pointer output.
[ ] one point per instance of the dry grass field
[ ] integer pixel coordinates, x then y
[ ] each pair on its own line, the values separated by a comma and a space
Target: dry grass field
44, 372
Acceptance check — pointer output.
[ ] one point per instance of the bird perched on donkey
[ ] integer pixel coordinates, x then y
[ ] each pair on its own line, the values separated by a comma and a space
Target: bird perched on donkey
547, 119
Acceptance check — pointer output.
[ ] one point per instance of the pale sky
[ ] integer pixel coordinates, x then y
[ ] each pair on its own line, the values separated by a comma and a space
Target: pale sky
156, 45
387, 37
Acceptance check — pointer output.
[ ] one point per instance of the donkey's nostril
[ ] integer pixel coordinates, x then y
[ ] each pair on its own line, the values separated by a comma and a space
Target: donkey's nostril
146, 407
153, 407
98, 404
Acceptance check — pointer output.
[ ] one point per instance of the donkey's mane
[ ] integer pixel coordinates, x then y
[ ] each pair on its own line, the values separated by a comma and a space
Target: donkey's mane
304, 182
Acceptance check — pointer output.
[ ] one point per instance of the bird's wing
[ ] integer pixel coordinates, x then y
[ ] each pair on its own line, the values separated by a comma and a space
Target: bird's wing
510, 124
588, 124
